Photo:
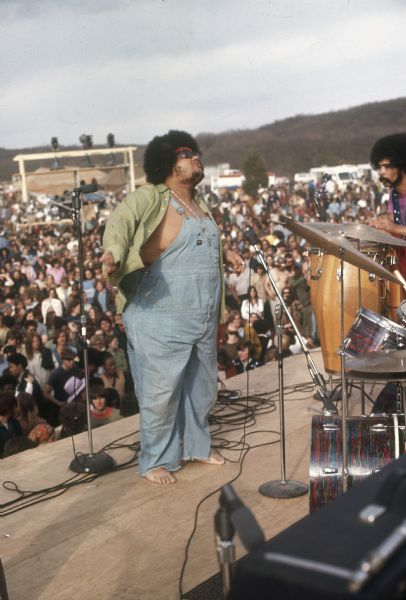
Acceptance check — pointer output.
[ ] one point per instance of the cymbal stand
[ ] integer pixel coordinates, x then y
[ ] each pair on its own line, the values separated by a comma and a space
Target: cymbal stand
317, 377
282, 488
362, 383
344, 398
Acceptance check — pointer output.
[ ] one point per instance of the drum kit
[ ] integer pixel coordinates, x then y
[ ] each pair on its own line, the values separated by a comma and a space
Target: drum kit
356, 293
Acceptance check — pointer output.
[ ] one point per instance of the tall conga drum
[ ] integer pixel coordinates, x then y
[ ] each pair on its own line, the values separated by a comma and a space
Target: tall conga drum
360, 289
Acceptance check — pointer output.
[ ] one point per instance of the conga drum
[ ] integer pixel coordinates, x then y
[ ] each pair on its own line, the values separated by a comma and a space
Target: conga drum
360, 289
395, 293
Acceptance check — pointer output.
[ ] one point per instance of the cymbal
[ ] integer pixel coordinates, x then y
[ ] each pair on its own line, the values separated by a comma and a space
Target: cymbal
338, 246
387, 362
358, 231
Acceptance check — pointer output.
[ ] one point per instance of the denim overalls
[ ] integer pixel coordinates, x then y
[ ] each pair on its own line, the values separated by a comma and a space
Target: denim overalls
171, 323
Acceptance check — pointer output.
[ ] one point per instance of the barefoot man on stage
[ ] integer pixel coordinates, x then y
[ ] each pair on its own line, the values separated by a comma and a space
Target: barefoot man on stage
162, 248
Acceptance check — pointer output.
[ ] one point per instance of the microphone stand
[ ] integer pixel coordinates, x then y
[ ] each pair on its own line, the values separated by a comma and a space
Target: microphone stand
321, 195
225, 546
282, 488
233, 516
91, 462
318, 379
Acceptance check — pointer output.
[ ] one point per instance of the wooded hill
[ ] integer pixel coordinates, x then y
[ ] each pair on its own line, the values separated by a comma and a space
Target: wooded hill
287, 146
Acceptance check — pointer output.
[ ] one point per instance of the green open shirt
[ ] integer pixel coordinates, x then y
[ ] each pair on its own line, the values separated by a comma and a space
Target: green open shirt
131, 224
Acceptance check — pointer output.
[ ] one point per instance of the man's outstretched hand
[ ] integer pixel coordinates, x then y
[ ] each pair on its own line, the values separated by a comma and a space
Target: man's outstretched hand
110, 265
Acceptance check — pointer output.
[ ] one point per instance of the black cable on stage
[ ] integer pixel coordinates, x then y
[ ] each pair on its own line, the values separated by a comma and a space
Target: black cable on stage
31, 497
240, 461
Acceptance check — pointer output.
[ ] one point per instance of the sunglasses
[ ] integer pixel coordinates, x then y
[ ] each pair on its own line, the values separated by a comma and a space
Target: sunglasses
184, 152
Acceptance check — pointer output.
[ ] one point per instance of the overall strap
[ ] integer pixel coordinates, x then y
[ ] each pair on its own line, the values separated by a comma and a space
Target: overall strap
173, 202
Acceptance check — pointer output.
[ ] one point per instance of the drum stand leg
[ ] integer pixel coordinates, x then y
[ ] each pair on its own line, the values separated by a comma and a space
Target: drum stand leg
282, 488
362, 386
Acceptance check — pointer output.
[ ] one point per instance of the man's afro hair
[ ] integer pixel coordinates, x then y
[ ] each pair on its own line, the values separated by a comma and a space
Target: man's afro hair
160, 156
392, 147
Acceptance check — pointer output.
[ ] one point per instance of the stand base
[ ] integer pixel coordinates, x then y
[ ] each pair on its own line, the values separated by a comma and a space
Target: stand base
93, 463
283, 489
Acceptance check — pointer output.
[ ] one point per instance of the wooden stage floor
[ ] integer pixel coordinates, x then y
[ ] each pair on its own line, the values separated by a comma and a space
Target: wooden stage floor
120, 537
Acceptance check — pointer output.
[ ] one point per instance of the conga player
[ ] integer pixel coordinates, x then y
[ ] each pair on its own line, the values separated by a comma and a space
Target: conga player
388, 156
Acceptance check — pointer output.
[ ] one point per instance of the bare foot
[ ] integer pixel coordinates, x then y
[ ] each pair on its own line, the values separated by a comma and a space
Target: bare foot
215, 458
160, 475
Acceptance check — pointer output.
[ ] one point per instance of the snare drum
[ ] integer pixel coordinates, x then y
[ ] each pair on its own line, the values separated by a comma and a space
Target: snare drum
371, 332
372, 442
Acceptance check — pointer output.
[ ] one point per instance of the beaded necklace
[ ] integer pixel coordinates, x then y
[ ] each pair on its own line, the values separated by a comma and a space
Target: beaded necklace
194, 212
187, 206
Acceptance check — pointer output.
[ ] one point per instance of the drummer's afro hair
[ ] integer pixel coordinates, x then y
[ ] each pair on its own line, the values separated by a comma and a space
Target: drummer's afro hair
160, 156
392, 147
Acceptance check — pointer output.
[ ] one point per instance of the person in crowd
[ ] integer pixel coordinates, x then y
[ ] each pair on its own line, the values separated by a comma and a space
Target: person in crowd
246, 360
34, 427
118, 353
253, 304
59, 343
51, 304
40, 359
55, 395
56, 270
9, 425
73, 419
101, 412
112, 377
26, 382
104, 298
63, 291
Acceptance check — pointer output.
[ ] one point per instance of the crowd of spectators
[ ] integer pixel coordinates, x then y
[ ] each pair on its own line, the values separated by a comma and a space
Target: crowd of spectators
42, 386
248, 338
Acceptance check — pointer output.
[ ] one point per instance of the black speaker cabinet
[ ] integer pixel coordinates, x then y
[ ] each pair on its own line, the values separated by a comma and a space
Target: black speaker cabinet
354, 547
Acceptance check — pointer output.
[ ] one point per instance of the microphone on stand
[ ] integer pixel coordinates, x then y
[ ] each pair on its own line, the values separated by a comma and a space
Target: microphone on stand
242, 519
251, 236
88, 188
233, 516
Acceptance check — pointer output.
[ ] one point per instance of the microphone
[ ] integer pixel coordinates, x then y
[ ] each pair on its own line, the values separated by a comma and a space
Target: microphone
242, 519
251, 236
86, 189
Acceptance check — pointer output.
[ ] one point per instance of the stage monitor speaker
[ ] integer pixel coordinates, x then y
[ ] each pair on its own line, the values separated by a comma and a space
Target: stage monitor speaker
354, 547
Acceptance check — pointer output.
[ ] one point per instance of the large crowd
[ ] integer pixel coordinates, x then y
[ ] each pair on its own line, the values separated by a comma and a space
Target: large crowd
42, 384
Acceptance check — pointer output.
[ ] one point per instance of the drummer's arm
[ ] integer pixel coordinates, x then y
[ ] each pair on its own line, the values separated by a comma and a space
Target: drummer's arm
385, 222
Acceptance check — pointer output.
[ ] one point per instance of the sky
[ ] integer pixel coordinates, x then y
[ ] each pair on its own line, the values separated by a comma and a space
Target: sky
137, 68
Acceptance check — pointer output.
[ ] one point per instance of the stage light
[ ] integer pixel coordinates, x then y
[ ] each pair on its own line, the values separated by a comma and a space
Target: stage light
110, 140
87, 143
55, 146
111, 159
